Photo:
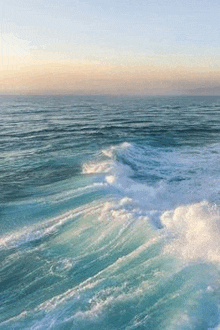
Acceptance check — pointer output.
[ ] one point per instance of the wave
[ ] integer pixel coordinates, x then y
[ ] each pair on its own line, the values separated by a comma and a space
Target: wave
160, 177
195, 232
97, 167
176, 200
41, 230
126, 264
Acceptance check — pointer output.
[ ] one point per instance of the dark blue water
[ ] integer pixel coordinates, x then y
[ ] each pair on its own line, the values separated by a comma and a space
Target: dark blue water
109, 212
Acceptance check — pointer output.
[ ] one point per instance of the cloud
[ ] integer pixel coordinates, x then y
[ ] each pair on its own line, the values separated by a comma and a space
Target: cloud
11, 46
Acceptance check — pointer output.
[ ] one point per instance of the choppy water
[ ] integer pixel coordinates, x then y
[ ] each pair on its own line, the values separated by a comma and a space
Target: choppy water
110, 213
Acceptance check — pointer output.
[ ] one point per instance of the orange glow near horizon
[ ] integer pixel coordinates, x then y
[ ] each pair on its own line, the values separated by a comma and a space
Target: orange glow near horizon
27, 76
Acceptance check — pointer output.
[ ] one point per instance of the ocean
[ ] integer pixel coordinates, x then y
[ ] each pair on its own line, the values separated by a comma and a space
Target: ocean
110, 213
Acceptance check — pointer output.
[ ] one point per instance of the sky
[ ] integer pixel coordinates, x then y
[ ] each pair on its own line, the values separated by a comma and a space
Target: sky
110, 47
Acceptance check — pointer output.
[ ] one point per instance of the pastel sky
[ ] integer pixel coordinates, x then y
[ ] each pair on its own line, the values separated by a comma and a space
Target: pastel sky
110, 47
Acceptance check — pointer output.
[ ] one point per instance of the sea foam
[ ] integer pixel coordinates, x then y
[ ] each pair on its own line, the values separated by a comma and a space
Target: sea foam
194, 231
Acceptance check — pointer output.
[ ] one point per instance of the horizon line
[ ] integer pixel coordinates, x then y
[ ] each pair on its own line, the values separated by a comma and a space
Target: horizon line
109, 95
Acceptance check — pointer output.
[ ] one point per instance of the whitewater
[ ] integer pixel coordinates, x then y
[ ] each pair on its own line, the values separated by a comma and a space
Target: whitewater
110, 213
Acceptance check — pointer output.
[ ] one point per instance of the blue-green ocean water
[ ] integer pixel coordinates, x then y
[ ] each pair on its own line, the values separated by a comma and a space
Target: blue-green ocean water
109, 213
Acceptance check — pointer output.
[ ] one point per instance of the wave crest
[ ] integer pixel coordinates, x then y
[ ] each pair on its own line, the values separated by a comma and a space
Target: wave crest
195, 231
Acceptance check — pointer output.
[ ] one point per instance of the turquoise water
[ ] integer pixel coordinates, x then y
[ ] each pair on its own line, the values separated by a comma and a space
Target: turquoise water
109, 213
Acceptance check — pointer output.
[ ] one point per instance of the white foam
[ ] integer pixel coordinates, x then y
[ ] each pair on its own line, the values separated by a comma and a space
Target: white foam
110, 152
54, 302
116, 210
97, 167
172, 176
117, 173
107, 297
180, 320
111, 179
195, 232
217, 328
126, 201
